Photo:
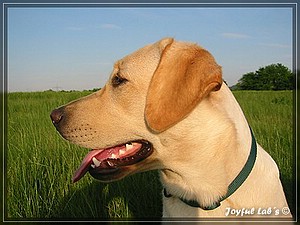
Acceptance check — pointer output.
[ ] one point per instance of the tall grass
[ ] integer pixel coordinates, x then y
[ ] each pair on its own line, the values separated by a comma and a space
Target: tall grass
40, 164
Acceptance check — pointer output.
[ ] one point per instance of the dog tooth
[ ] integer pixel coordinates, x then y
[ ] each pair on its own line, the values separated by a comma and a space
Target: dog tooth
129, 146
113, 156
110, 163
93, 166
96, 162
121, 152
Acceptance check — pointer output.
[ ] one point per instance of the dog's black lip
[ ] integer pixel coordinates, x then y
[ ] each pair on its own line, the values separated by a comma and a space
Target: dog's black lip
112, 168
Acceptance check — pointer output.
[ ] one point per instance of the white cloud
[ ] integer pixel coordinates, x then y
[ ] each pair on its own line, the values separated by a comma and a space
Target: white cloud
109, 26
235, 36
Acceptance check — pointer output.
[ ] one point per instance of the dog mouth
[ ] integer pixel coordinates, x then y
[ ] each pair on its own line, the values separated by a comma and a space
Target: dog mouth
108, 163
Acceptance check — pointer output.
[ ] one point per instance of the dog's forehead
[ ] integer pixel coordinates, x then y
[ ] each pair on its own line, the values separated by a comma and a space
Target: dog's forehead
148, 53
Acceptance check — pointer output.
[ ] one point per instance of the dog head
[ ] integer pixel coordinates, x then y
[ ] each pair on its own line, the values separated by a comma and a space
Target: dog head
149, 92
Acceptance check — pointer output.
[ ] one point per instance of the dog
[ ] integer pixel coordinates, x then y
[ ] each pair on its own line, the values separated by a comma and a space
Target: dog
165, 107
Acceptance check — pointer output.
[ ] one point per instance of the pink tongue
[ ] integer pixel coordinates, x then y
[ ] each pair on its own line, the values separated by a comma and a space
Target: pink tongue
101, 154
84, 167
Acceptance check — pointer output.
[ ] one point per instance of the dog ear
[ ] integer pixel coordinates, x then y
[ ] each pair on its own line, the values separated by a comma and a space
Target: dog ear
185, 75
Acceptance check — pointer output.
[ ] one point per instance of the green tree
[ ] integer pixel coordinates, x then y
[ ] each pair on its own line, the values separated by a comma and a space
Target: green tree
248, 82
271, 77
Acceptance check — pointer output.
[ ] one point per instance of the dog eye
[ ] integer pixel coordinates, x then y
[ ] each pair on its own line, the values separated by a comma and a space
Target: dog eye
118, 80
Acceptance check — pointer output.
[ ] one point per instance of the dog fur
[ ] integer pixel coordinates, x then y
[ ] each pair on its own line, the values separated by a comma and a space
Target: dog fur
174, 98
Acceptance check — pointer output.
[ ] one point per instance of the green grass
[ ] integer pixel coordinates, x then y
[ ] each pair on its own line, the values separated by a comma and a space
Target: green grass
40, 164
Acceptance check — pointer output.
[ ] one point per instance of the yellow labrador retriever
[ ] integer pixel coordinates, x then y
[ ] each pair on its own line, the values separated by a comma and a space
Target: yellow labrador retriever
165, 107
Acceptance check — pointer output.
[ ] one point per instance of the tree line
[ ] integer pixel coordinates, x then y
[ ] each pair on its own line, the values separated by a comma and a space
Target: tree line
271, 77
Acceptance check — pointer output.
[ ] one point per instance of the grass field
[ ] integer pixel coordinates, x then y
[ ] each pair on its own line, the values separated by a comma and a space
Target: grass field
40, 164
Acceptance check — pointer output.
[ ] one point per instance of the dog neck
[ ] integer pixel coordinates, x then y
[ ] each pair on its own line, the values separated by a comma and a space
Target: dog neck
216, 157
234, 185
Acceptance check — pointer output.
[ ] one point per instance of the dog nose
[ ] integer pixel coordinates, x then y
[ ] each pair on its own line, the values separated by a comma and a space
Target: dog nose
56, 116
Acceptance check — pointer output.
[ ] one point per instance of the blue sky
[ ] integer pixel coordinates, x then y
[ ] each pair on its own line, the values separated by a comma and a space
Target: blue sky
75, 48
